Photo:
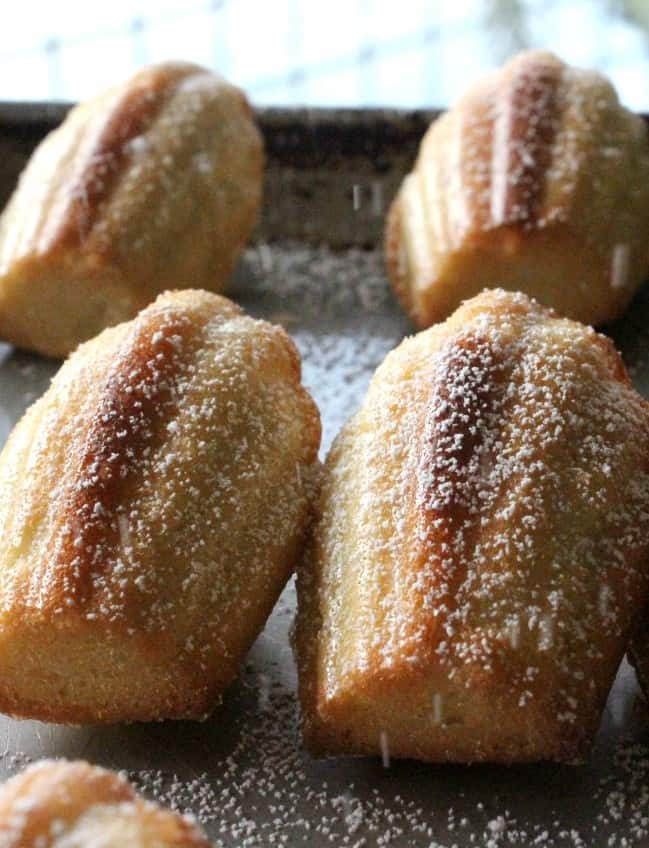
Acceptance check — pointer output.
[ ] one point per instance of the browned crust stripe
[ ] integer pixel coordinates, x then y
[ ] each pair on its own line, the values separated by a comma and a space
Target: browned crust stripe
467, 390
132, 114
524, 130
133, 402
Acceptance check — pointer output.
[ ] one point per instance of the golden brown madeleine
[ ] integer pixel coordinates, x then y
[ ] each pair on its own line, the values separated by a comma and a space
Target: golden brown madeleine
152, 505
154, 181
537, 181
76, 805
482, 548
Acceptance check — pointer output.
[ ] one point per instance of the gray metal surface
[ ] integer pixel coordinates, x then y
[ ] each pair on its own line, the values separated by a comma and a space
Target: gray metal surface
242, 772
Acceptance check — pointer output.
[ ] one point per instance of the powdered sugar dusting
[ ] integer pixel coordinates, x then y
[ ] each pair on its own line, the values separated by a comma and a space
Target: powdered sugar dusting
339, 310
266, 792
242, 772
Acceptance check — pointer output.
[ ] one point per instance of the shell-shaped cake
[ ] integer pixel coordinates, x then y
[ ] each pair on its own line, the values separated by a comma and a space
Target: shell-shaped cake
58, 804
537, 181
482, 547
152, 506
153, 184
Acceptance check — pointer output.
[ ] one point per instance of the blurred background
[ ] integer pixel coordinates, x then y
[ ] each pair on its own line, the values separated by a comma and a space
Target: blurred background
408, 53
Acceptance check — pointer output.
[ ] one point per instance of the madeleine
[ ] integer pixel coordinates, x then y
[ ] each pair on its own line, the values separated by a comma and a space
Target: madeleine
482, 547
152, 506
537, 181
155, 181
76, 805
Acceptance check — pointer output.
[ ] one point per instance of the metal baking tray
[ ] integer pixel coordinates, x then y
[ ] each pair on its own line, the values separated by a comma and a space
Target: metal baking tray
315, 266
